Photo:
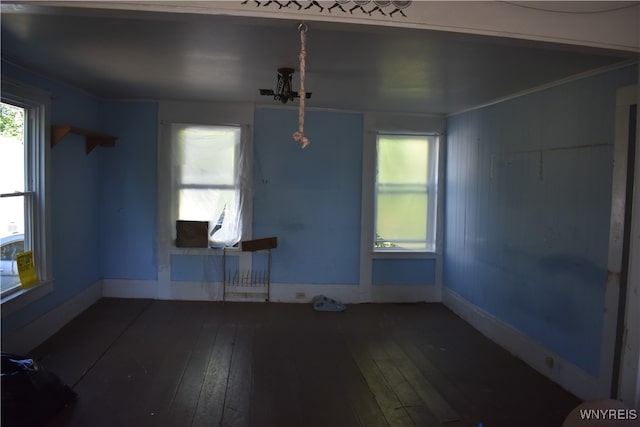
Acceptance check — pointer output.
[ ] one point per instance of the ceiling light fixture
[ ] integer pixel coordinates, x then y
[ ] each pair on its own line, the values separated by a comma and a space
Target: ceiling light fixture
283, 92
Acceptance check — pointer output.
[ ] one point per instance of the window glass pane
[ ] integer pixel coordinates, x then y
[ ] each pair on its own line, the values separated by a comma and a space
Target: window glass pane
207, 162
406, 180
12, 169
401, 216
12, 215
402, 159
11, 149
207, 155
203, 204
12, 179
10, 246
219, 207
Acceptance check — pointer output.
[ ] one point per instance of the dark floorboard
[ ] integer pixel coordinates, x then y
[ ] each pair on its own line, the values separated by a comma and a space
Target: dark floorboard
171, 363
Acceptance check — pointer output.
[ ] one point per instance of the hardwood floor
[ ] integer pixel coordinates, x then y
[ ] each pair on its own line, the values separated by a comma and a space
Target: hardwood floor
171, 363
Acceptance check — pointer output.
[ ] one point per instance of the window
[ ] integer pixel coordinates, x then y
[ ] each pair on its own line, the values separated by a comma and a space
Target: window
406, 192
12, 189
23, 187
208, 179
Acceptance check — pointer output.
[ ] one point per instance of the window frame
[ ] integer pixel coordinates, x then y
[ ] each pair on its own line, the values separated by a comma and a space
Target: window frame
206, 113
238, 184
431, 189
374, 122
37, 105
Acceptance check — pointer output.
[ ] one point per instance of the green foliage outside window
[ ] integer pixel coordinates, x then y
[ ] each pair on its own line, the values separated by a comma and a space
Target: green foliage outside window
11, 121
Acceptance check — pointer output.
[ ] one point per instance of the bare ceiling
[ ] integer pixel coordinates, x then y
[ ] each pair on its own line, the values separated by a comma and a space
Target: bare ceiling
155, 55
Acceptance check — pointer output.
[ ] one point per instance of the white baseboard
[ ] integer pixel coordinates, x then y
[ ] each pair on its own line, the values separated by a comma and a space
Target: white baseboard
304, 293
280, 292
564, 373
350, 294
207, 291
35, 333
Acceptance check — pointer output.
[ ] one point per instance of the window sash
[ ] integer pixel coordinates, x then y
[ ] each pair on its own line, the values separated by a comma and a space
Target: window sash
36, 105
396, 233
10, 283
218, 192
195, 166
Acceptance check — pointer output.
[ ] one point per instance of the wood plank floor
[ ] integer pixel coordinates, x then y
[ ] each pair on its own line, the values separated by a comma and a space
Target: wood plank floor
171, 363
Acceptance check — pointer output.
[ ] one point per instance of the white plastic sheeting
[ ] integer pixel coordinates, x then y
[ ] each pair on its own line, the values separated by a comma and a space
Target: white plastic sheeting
210, 175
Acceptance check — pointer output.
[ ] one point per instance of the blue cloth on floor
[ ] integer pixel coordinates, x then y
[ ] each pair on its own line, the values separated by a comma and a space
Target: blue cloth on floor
322, 303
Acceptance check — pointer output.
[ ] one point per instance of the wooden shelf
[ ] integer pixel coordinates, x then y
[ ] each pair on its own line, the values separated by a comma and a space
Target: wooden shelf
259, 244
92, 139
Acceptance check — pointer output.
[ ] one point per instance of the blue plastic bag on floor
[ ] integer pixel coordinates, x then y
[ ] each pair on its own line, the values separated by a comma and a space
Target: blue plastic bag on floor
322, 303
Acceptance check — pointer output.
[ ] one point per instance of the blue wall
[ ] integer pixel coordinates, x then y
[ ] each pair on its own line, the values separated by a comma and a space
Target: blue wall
87, 192
310, 199
128, 191
404, 272
75, 182
74, 185
528, 196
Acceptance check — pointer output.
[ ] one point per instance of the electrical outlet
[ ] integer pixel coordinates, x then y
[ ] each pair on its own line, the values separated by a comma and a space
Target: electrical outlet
301, 295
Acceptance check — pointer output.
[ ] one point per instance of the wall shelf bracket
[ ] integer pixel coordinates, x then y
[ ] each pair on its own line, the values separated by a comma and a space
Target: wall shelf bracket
92, 139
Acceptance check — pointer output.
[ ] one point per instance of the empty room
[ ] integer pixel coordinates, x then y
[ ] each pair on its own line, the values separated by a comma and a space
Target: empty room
320, 213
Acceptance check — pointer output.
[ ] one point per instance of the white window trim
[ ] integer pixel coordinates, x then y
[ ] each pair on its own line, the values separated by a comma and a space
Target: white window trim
241, 181
202, 114
375, 123
432, 222
37, 101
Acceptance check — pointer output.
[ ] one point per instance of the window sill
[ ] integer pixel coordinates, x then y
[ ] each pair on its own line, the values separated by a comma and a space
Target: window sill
20, 299
203, 251
403, 254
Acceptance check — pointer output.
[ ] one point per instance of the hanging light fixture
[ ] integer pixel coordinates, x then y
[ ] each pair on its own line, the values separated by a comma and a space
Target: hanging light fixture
284, 92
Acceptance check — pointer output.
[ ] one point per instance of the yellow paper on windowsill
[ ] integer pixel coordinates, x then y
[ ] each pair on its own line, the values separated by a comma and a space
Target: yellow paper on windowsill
26, 269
